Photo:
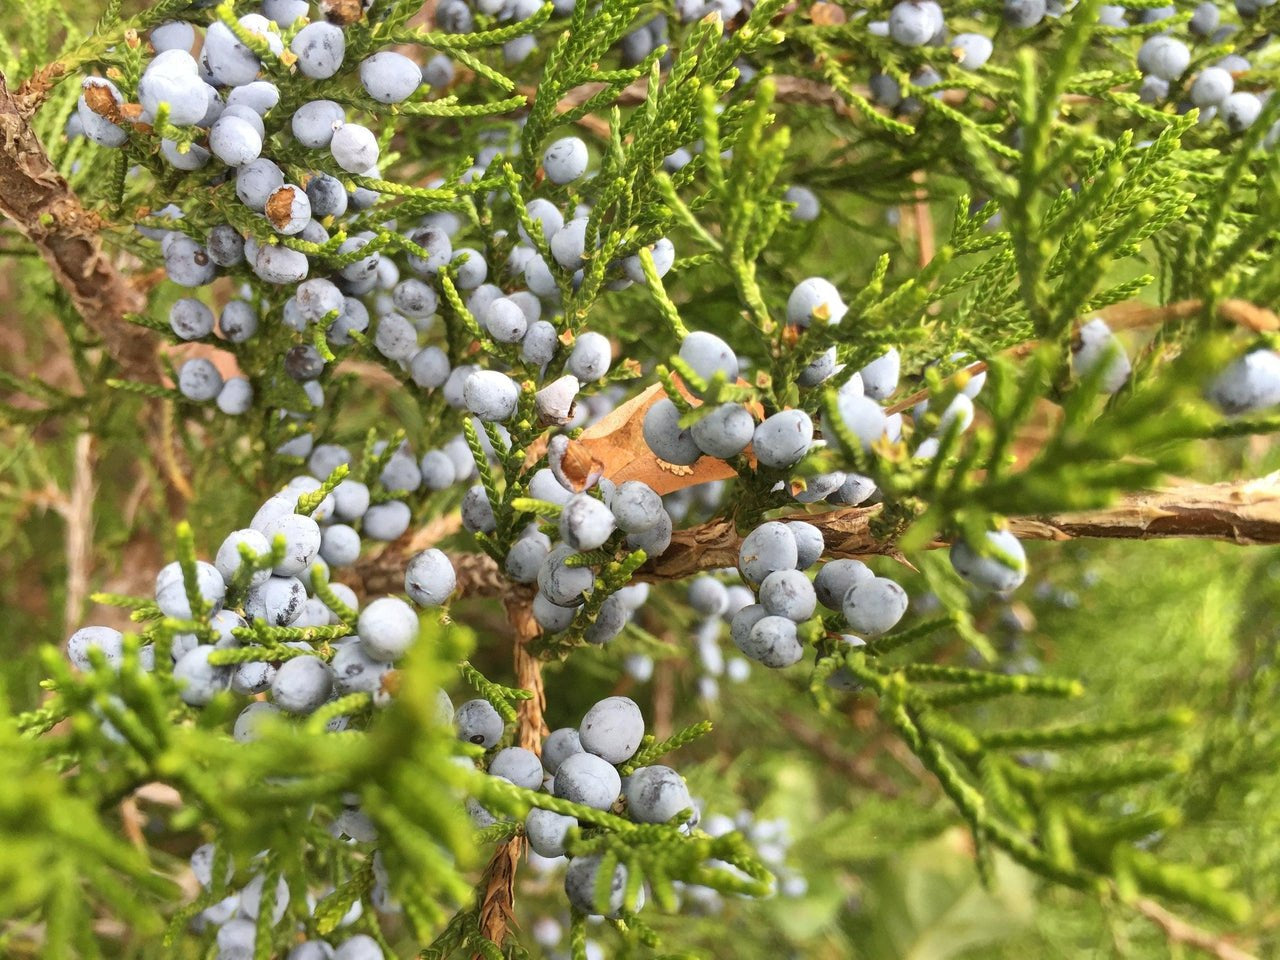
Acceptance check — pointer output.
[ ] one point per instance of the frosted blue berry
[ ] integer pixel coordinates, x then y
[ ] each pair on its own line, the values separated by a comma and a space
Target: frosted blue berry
636, 508
1001, 571
301, 684
279, 601
320, 48
477, 512
429, 578
491, 395
387, 628
173, 78
354, 148
1240, 110
110, 642
313, 123
479, 723
589, 361
766, 549
559, 745
913, 23
836, 578
708, 355
581, 885
198, 680
725, 432
1250, 383
873, 607
288, 209
611, 729
809, 543
360, 947
788, 593
1211, 87
783, 439
656, 794
565, 160
771, 640
389, 77
971, 50
708, 596
589, 780
666, 438
547, 831
562, 584
1097, 348
1164, 57
522, 767
585, 522
815, 299
569, 245
190, 319
186, 262
664, 257
1024, 13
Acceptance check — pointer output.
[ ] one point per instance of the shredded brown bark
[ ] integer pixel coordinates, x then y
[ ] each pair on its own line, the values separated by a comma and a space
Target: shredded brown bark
497, 907
40, 203
1242, 513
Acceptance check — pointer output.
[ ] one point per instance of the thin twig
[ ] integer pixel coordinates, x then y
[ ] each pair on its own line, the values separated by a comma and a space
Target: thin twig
1246, 512
856, 768
79, 520
1177, 930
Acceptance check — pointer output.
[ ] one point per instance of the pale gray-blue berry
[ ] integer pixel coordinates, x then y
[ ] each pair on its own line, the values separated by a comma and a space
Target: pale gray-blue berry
612, 729
547, 831
771, 640
302, 684
389, 77
522, 767
387, 628
873, 607
589, 780
766, 549
429, 578
1000, 571
836, 578
565, 160
320, 48
666, 438
479, 723
656, 794
788, 593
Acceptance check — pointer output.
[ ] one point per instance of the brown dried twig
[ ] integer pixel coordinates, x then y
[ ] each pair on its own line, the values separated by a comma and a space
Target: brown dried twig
1242, 513
1179, 931
1247, 512
497, 905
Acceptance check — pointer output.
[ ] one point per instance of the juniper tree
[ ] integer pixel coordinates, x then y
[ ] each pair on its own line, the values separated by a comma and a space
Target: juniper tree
523, 449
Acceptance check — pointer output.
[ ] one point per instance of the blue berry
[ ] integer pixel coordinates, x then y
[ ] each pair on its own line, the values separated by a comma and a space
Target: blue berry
612, 729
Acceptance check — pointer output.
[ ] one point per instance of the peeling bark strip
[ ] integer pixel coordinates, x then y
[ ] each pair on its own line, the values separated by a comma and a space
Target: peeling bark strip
38, 200
1243, 513
497, 909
